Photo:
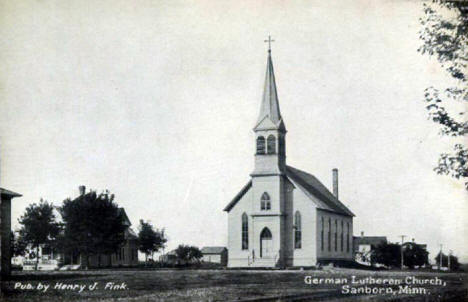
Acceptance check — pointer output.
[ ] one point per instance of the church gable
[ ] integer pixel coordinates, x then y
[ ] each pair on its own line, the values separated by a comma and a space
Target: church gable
239, 195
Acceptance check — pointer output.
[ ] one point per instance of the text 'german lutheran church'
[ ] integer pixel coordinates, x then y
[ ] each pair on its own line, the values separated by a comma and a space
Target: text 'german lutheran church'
284, 216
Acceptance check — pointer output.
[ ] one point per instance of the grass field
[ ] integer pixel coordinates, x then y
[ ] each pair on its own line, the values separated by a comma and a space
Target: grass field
224, 285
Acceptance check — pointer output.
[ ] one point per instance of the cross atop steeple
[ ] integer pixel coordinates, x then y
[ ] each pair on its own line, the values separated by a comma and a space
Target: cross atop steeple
269, 42
270, 105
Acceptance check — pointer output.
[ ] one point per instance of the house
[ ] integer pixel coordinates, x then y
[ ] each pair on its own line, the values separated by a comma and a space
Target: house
410, 245
126, 255
363, 247
215, 254
169, 258
5, 230
284, 216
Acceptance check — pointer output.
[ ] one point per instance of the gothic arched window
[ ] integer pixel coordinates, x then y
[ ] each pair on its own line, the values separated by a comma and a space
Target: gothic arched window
341, 235
297, 231
271, 144
321, 234
245, 232
336, 235
260, 145
265, 203
347, 238
329, 234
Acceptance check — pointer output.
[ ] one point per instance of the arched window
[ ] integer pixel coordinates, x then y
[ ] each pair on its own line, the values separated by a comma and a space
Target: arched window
329, 234
260, 145
341, 235
347, 238
265, 203
297, 231
271, 144
245, 232
336, 235
322, 234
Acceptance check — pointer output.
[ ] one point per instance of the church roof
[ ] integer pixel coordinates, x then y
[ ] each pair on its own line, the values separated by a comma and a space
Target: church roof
311, 186
238, 196
270, 104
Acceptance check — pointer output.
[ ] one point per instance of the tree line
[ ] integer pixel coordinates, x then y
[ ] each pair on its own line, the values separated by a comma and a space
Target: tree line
91, 224
389, 254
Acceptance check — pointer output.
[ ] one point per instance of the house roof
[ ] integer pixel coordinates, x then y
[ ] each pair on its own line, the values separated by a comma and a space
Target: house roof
130, 234
8, 193
371, 240
310, 185
124, 216
409, 243
213, 249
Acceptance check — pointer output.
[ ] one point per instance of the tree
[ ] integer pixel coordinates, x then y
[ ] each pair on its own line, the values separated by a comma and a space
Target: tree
17, 245
187, 253
444, 35
93, 225
388, 254
414, 255
38, 226
454, 264
150, 240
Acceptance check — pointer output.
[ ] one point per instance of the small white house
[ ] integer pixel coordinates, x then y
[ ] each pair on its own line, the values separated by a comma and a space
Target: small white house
215, 254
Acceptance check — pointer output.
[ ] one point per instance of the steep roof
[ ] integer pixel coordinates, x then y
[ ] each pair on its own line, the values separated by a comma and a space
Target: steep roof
8, 193
213, 249
125, 219
270, 104
239, 195
130, 234
312, 186
371, 240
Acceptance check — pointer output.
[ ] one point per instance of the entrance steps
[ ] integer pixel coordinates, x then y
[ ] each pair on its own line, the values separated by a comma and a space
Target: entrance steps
263, 262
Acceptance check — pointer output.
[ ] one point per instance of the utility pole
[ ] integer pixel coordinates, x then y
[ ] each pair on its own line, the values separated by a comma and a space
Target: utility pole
440, 258
401, 249
449, 255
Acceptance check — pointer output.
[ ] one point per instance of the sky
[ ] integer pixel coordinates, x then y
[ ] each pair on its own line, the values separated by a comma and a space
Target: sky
156, 101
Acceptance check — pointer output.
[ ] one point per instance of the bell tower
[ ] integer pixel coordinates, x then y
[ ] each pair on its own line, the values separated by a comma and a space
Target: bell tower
270, 132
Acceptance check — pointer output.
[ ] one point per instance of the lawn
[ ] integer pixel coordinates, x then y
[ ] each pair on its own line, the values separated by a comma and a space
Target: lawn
228, 285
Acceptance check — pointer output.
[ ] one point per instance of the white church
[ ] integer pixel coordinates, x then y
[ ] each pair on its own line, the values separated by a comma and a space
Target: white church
284, 216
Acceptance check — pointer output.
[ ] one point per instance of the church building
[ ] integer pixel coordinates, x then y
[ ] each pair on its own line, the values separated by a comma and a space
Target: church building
284, 216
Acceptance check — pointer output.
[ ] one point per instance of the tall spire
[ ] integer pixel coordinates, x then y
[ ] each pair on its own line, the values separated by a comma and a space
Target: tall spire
270, 104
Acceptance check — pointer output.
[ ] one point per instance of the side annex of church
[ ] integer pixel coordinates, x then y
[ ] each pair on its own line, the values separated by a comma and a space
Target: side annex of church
283, 216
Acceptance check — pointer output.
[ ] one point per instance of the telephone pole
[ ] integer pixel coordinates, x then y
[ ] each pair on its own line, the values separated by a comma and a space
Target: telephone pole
449, 255
401, 249
440, 258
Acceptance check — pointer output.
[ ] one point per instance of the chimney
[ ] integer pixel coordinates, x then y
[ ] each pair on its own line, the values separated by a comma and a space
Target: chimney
82, 190
335, 182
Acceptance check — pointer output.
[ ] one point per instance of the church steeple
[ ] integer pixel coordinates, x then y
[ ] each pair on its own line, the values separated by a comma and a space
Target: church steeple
270, 132
270, 104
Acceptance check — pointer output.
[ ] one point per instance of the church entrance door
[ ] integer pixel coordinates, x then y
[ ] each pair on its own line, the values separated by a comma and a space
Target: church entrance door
266, 244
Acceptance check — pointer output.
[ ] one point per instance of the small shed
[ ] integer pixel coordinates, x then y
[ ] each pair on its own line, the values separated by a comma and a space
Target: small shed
215, 254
